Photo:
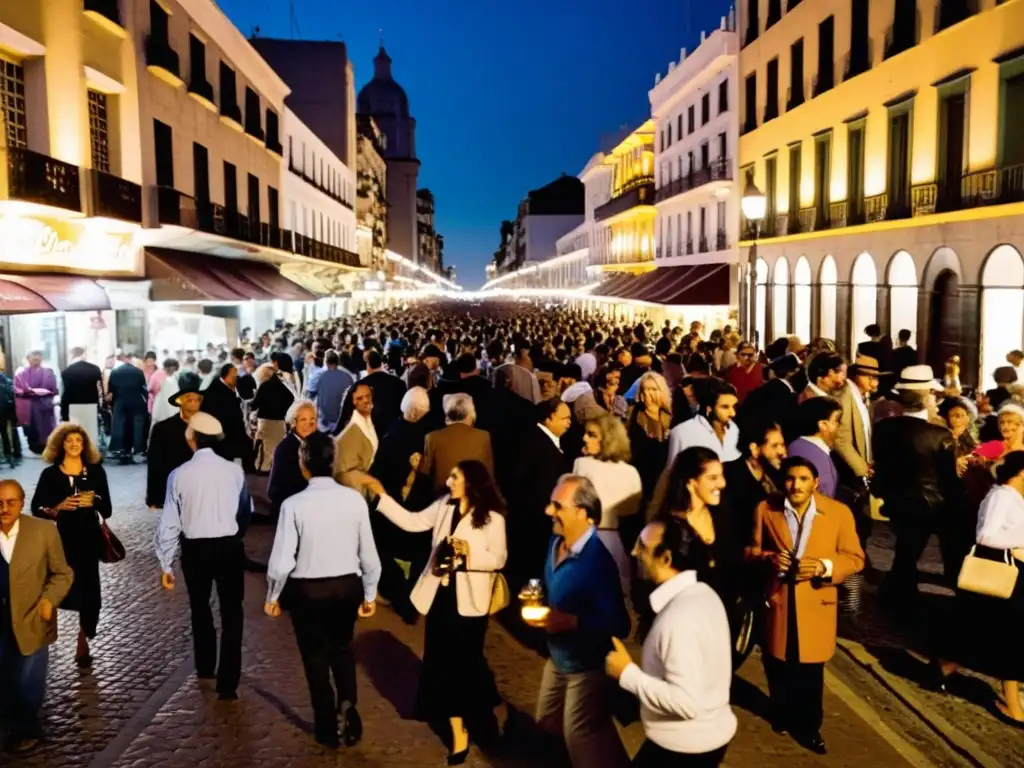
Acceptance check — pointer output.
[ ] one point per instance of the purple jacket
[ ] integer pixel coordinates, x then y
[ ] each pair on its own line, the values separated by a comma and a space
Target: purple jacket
828, 478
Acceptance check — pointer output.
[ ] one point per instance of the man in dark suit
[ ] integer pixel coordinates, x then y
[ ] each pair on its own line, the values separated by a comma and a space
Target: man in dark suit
168, 448
915, 476
458, 441
220, 400
470, 382
130, 399
514, 417
774, 400
540, 463
83, 388
388, 392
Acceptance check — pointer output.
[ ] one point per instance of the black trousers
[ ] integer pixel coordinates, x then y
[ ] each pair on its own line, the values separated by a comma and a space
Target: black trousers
392, 543
653, 756
912, 531
324, 614
796, 691
220, 562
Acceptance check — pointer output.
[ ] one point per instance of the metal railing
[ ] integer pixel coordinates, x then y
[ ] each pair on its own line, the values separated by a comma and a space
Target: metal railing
36, 178
718, 170
160, 54
637, 195
114, 197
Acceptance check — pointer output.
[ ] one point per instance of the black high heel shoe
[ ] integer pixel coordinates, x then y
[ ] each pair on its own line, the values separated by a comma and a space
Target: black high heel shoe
458, 758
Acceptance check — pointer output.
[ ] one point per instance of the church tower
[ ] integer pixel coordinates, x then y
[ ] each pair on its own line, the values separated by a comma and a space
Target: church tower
385, 101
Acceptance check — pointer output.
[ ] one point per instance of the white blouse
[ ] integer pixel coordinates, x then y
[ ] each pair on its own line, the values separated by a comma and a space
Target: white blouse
618, 487
1001, 519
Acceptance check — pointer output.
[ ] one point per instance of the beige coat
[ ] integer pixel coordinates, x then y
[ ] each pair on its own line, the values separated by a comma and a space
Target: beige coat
833, 537
38, 569
446, 447
852, 441
353, 456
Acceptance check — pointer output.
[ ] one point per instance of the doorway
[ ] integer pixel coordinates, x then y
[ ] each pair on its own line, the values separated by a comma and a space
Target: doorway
944, 321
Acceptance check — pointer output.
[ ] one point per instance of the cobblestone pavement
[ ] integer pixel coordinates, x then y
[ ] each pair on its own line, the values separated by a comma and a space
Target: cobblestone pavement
140, 706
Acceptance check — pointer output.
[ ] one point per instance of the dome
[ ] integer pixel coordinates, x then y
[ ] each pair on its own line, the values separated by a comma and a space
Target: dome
382, 95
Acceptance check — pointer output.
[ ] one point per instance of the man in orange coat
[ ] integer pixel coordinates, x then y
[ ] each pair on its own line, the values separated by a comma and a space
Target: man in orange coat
810, 545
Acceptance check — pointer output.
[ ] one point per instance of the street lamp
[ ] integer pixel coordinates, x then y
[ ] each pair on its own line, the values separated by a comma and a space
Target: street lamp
753, 204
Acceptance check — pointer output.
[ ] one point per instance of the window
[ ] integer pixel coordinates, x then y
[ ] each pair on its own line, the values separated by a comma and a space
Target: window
855, 174
679, 125
662, 139
952, 133
723, 96
774, 13
163, 150
796, 75
723, 146
702, 244
860, 61
705, 155
689, 119
200, 173
794, 185
12, 103
196, 60
822, 179
253, 115
1011, 118
668, 138
158, 23
705, 108
753, 23
722, 226
771, 176
98, 138
826, 56
230, 187
229, 94
771, 105
274, 132
904, 28
750, 102
898, 166
254, 200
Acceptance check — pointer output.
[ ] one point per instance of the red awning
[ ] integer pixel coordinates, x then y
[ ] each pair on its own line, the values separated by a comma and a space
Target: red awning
48, 293
696, 285
186, 276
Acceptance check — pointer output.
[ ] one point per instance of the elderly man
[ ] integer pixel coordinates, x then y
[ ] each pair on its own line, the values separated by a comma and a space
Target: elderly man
458, 441
34, 579
206, 512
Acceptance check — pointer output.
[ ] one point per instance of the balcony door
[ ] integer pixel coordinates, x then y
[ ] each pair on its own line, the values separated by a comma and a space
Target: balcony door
201, 173
951, 150
855, 175
899, 165
230, 188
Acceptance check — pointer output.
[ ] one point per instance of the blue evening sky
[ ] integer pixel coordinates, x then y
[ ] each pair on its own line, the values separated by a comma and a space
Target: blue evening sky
506, 95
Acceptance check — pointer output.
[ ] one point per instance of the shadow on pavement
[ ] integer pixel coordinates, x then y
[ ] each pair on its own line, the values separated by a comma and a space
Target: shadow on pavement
747, 696
286, 711
390, 665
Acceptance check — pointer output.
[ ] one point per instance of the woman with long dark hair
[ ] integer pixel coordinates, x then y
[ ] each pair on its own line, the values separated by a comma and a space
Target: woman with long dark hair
454, 593
73, 491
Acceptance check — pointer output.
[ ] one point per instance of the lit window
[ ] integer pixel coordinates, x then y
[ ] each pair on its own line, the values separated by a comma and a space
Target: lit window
98, 136
12, 103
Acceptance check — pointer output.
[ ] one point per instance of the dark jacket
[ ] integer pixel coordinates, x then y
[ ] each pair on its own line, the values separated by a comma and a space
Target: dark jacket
388, 392
477, 387
273, 399
83, 383
514, 417
915, 466
391, 462
221, 402
772, 400
246, 385
167, 451
286, 479
127, 385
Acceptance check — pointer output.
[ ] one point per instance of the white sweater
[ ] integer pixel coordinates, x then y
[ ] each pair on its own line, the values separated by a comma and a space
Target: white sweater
687, 669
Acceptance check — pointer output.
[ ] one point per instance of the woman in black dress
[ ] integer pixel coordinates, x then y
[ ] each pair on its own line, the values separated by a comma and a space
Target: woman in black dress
73, 491
454, 592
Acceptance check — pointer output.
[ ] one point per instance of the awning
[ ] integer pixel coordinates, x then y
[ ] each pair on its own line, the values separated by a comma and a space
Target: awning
696, 285
21, 293
186, 276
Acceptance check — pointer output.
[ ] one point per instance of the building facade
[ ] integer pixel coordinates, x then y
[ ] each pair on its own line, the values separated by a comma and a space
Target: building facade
385, 101
431, 244
543, 216
886, 137
371, 194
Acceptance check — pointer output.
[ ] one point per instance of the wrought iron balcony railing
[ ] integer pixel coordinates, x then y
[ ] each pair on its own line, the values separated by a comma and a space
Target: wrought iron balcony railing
36, 178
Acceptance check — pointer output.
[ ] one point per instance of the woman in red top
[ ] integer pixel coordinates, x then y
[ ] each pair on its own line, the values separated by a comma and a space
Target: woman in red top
748, 374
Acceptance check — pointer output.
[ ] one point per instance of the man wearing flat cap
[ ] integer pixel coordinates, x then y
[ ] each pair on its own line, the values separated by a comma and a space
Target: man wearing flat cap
207, 509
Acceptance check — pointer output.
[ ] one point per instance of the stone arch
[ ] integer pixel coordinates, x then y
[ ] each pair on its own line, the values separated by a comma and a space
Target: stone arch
901, 276
1002, 308
828, 276
864, 297
943, 259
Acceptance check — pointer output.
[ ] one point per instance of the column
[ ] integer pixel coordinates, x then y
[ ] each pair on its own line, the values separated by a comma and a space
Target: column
883, 313
844, 297
970, 334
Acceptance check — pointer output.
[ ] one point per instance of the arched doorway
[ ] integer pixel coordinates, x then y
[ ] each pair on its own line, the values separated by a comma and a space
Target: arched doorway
827, 277
761, 288
1002, 309
802, 299
903, 296
944, 320
864, 287
780, 299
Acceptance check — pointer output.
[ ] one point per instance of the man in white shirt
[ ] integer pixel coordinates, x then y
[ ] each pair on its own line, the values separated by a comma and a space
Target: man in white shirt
713, 428
686, 670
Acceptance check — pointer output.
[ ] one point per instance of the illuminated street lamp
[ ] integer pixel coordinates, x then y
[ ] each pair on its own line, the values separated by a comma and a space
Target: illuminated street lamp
753, 204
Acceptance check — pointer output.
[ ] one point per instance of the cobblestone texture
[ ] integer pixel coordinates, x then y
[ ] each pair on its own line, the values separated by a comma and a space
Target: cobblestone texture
130, 710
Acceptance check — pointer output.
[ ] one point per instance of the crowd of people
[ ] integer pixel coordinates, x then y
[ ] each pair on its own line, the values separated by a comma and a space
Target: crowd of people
684, 486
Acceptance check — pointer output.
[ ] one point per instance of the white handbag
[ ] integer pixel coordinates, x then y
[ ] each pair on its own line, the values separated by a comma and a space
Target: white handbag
988, 577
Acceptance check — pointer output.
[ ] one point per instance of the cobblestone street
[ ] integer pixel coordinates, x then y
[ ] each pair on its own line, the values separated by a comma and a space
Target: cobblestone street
140, 705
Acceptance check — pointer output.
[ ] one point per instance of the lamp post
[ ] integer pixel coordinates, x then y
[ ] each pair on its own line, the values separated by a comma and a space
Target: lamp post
753, 204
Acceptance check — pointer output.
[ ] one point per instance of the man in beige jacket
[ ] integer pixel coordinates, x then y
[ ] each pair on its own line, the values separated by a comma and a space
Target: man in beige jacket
34, 579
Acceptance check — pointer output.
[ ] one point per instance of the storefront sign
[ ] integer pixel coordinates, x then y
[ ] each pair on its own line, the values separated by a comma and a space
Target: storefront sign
79, 244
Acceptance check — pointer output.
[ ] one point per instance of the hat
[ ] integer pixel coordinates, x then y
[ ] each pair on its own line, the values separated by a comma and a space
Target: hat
204, 424
1011, 407
918, 377
188, 384
866, 364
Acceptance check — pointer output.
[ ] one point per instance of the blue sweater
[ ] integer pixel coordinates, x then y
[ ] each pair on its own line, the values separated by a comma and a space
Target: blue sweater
828, 478
585, 585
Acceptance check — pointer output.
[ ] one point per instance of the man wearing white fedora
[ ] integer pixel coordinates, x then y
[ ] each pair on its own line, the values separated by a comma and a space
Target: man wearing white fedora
915, 475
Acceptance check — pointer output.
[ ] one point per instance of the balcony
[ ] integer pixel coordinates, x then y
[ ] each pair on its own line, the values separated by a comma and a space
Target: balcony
837, 214
641, 192
41, 179
721, 241
702, 244
115, 198
923, 199
858, 60
274, 145
657, 252
950, 12
254, 128
175, 208
719, 170
903, 34
335, 196
689, 246
231, 114
106, 13
202, 91
162, 61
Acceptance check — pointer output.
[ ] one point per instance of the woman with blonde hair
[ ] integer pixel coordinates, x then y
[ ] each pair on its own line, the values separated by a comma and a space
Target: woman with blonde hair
605, 462
286, 478
648, 425
73, 492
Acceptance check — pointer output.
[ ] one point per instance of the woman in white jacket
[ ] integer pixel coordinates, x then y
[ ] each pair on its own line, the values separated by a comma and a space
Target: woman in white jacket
454, 593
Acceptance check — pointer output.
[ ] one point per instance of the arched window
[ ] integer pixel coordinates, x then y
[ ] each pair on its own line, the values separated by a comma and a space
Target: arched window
802, 299
780, 299
864, 282
903, 296
827, 295
1002, 307
761, 288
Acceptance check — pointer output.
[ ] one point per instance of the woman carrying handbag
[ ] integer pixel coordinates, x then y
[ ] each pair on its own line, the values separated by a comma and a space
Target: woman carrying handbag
455, 592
